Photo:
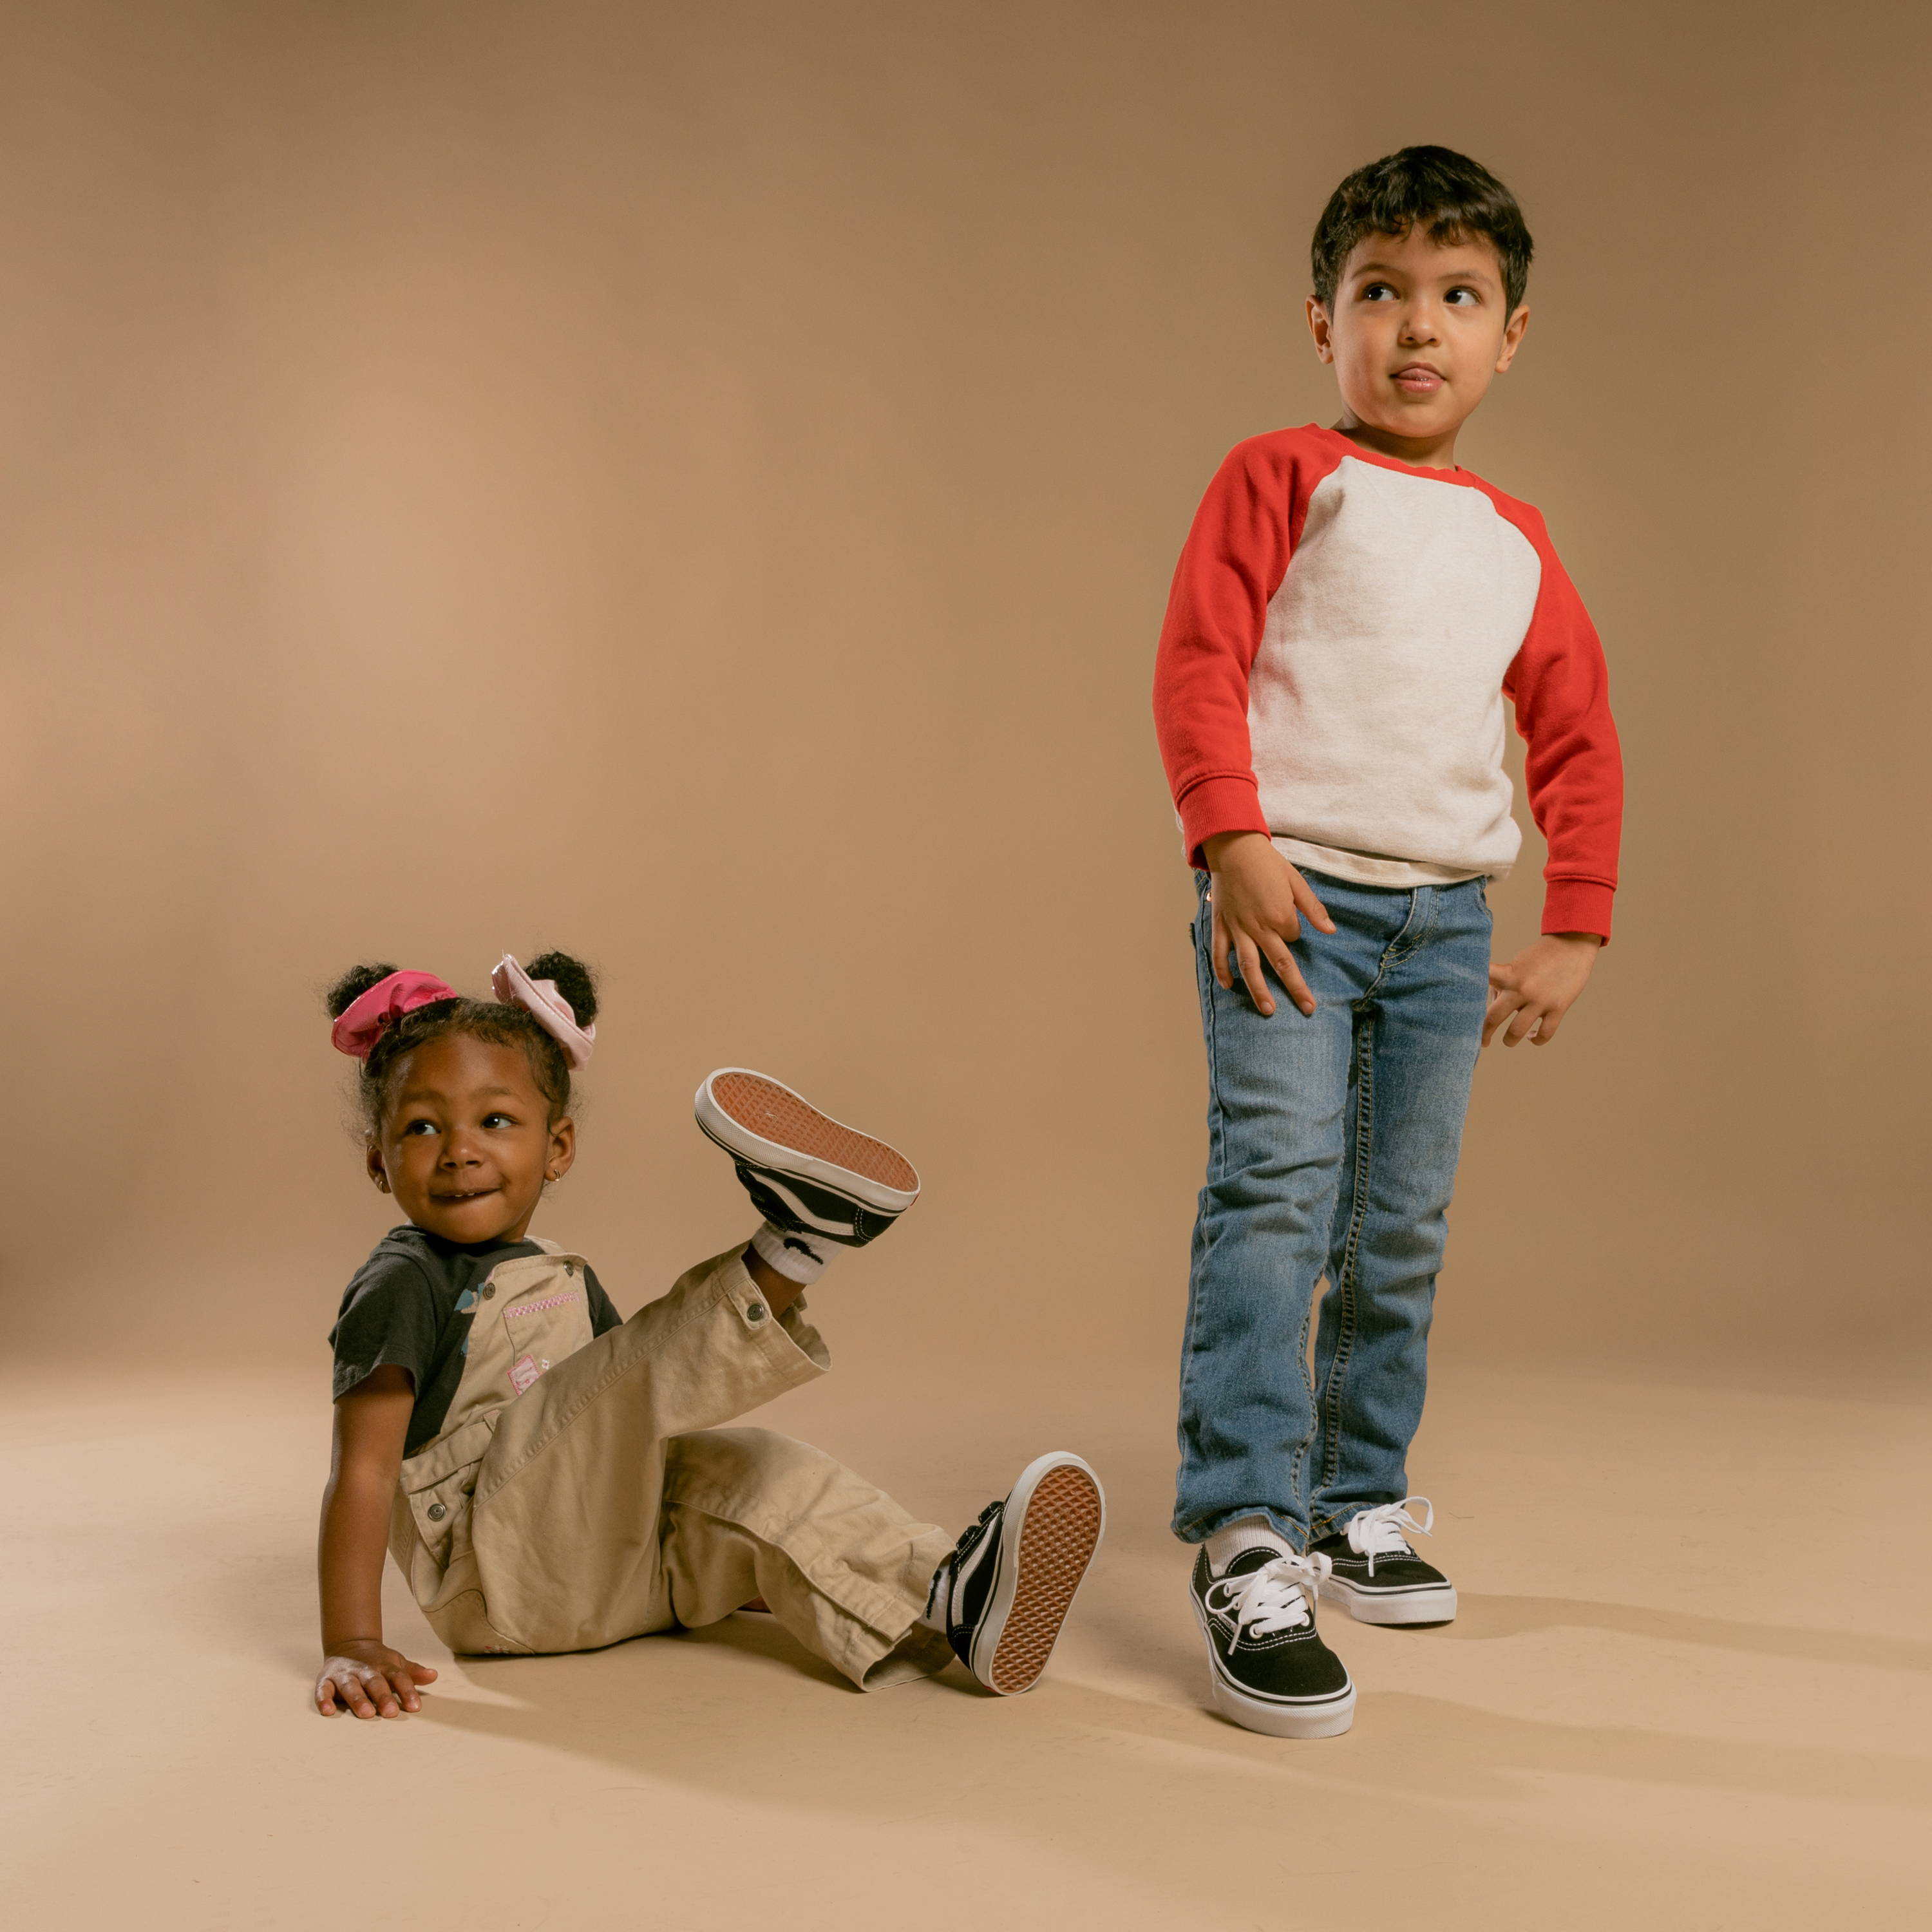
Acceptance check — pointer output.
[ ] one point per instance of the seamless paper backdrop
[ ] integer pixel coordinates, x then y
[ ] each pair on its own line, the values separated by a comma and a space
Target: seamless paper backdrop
698, 486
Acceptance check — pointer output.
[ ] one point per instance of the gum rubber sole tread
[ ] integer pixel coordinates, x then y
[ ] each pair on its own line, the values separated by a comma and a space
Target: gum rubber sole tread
1057, 1542
773, 1113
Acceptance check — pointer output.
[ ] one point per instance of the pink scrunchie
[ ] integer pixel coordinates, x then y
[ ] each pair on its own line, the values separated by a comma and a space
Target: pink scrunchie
548, 1007
363, 1022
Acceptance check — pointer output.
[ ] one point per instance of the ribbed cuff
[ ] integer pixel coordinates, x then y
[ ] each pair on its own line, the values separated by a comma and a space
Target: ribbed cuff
1216, 805
1578, 905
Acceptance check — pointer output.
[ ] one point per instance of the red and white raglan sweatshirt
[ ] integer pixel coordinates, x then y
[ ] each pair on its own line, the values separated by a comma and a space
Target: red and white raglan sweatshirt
1342, 634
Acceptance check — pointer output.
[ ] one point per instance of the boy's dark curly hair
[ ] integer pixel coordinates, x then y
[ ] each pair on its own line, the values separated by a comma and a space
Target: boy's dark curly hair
481, 1019
1456, 199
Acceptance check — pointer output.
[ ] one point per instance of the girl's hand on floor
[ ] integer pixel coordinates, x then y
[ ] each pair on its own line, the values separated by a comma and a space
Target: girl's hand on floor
1539, 986
1258, 900
370, 1679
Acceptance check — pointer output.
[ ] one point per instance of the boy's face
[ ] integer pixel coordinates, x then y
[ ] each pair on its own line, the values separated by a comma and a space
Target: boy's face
1419, 330
467, 1142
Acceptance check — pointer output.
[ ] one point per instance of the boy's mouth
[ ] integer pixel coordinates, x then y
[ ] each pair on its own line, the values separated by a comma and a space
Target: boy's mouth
1419, 379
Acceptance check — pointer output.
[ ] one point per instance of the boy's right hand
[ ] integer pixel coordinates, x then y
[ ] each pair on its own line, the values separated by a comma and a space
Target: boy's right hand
1258, 900
368, 1678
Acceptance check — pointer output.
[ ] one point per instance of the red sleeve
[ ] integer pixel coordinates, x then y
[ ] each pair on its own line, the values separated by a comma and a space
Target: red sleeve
1561, 689
1234, 559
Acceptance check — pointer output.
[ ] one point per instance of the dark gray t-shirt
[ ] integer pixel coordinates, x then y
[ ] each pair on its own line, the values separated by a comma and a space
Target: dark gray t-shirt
411, 1304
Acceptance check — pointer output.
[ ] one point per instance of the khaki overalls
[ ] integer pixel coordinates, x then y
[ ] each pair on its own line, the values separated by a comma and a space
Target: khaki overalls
578, 1496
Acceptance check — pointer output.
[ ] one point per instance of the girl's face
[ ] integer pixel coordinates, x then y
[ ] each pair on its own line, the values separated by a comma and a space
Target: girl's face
467, 1141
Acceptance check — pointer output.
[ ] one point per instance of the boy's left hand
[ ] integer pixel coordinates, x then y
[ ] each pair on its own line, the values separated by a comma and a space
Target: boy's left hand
1539, 986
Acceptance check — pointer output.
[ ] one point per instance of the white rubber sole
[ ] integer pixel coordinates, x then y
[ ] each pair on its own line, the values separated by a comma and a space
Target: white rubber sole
813, 1161
1431, 1606
1318, 1717
1055, 1516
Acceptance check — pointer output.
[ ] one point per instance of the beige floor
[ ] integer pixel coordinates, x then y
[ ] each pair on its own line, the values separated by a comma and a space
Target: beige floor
1688, 1689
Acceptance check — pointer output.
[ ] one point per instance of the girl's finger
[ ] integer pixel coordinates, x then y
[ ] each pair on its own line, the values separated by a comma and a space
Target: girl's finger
352, 1688
325, 1698
404, 1687
422, 1672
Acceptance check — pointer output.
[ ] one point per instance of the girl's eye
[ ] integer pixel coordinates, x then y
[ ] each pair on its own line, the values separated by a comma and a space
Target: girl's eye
498, 1120
419, 1127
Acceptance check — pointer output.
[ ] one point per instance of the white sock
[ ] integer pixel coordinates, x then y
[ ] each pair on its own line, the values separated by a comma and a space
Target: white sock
798, 1257
1252, 1532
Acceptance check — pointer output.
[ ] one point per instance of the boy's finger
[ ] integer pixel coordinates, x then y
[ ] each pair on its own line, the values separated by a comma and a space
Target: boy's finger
1289, 974
325, 1698
1546, 1032
1501, 1007
1503, 976
1527, 1016
351, 1687
423, 1673
1217, 955
1305, 897
1252, 977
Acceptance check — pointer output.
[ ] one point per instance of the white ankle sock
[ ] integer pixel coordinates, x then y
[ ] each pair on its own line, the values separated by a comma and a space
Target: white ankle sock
1252, 1532
797, 1257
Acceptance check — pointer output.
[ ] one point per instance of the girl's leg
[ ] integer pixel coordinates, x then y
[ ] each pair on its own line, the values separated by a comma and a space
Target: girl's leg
749, 1513
564, 1533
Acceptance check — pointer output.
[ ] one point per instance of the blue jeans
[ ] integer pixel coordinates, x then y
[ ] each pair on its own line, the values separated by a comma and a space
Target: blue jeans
1332, 1144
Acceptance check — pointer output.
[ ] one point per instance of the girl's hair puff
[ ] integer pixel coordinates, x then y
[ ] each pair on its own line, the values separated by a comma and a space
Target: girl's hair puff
481, 1019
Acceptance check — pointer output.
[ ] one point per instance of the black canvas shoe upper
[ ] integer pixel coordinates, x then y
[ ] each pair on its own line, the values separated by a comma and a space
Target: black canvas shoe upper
1372, 1552
1259, 1616
962, 1586
803, 1207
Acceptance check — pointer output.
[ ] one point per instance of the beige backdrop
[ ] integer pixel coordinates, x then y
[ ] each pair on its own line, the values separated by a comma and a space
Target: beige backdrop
698, 484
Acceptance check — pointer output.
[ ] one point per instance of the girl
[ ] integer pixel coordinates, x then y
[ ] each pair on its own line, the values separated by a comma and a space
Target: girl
551, 1478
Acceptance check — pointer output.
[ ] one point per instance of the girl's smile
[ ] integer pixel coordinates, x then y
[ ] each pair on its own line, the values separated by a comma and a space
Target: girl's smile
466, 1141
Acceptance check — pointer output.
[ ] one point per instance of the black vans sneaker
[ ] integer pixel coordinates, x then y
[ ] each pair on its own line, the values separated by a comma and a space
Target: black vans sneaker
1270, 1670
1002, 1595
805, 1172
1377, 1578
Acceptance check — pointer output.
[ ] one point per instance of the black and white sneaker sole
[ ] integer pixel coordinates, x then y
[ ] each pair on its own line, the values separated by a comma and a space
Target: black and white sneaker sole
1426, 1603
1048, 1532
761, 1122
1327, 1717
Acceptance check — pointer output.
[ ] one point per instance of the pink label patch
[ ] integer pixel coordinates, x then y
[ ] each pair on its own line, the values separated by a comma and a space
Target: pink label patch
523, 1371
532, 1307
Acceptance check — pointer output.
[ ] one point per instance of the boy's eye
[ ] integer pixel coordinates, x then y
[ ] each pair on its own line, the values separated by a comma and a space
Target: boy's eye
1463, 296
1375, 291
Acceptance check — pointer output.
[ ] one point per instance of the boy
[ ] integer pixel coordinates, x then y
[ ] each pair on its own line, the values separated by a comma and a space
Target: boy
1349, 614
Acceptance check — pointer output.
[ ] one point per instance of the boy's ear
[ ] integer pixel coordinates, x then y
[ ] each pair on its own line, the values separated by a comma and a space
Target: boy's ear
1513, 331
378, 1173
1321, 327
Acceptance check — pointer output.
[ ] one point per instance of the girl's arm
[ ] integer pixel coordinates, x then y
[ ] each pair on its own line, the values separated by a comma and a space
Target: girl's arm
359, 1672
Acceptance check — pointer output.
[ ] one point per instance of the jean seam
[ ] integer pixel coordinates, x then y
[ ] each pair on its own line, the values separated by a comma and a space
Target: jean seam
1210, 1030
1331, 1397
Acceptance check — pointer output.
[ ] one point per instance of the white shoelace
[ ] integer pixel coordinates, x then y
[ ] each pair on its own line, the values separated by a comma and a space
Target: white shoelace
1385, 1530
1278, 1596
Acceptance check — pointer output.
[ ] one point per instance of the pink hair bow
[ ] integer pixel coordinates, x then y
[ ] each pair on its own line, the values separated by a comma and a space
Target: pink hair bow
551, 1011
363, 1020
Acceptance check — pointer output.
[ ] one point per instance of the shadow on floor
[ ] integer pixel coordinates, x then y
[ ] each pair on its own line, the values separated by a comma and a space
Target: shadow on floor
1484, 1619
864, 1757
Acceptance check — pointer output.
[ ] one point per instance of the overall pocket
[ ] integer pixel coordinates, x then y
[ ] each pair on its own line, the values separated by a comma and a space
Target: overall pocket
440, 1481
